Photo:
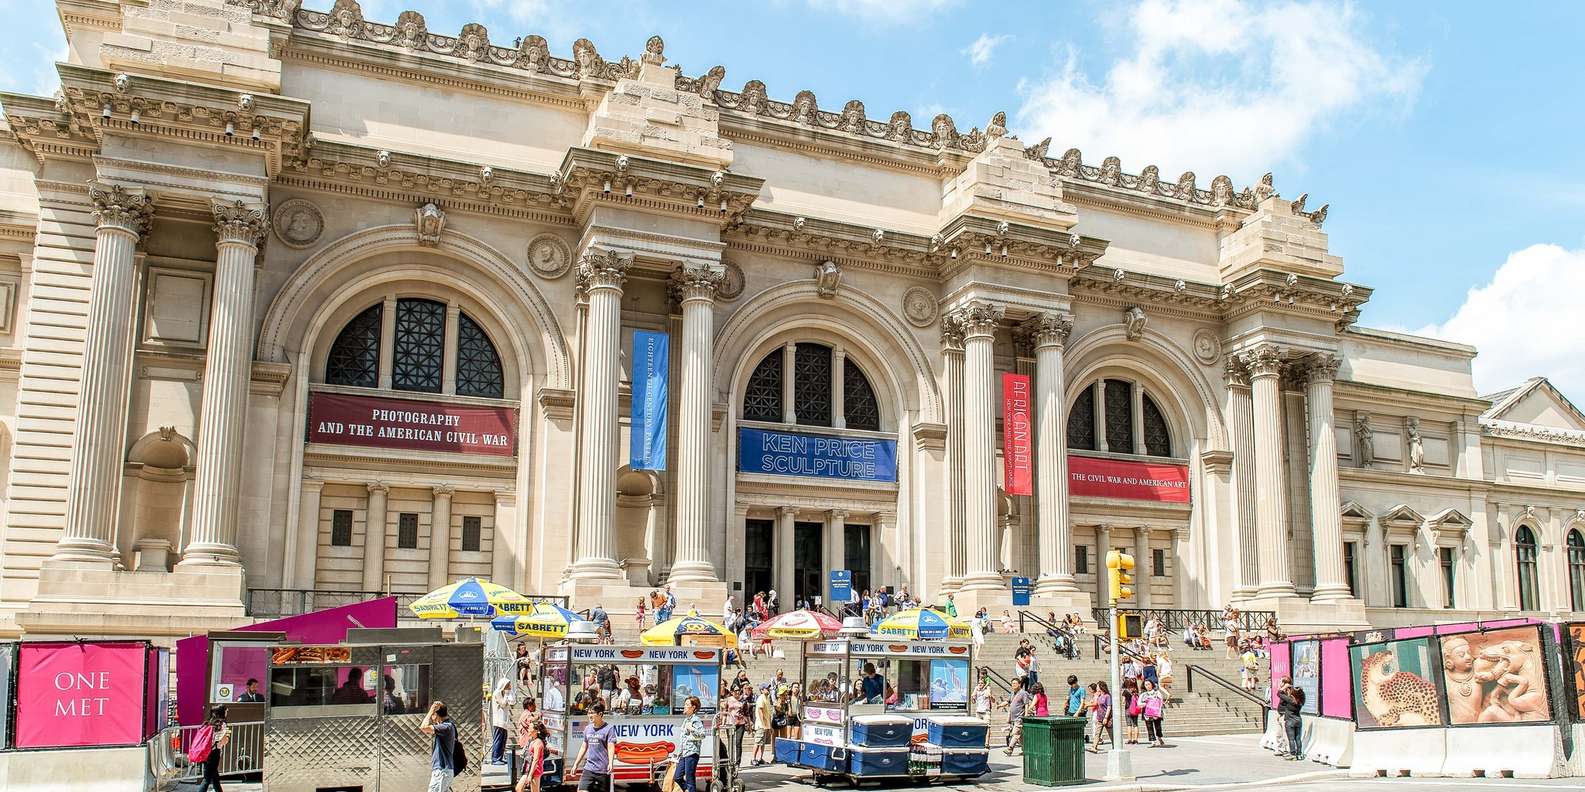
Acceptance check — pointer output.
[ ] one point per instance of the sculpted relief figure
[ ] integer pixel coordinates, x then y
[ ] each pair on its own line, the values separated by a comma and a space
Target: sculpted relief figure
1365, 437
1416, 445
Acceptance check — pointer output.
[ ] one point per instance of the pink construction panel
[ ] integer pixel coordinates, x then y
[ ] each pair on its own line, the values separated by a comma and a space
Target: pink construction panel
1418, 631
1281, 666
1337, 683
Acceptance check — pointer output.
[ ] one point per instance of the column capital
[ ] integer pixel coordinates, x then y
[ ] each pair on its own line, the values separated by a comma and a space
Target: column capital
1235, 373
1046, 329
603, 269
128, 209
977, 318
1262, 360
378, 487
238, 222
505, 497
443, 489
837, 515
313, 485
786, 511
690, 283
1322, 367
951, 336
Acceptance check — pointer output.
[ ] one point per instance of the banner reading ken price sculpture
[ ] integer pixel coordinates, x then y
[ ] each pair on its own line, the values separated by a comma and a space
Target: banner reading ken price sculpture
1116, 478
411, 424
820, 456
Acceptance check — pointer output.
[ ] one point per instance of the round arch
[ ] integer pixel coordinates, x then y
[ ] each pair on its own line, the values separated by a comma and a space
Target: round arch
1170, 376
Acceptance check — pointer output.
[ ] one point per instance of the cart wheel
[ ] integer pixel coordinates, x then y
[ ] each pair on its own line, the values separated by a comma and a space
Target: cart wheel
737, 785
715, 785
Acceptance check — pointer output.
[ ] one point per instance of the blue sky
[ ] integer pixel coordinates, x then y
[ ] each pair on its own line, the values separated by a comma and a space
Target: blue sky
1446, 137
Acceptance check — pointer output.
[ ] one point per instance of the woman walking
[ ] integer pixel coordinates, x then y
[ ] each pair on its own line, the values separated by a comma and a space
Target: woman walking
501, 721
1042, 704
764, 711
1130, 704
1101, 711
533, 757
638, 613
1152, 707
219, 737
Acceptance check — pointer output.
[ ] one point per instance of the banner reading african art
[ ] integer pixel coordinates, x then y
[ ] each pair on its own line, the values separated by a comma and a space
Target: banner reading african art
1393, 685
1016, 434
1496, 676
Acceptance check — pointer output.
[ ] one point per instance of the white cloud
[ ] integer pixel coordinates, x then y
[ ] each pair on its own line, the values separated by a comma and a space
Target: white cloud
1221, 86
1525, 321
983, 48
885, 11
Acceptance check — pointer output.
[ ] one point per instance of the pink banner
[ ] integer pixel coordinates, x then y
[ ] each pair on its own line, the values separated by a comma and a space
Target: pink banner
1116, 478
1337, 685
79, 694
1278, 666
411, 424
1017, 475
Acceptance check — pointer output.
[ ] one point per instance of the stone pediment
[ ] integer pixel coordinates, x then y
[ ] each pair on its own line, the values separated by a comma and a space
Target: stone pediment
1537, 403
1402, 517
1449, 524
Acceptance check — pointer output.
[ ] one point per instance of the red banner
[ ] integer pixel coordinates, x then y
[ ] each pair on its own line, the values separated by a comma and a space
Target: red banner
1016, 435
411, 424
1116, 478
80, 694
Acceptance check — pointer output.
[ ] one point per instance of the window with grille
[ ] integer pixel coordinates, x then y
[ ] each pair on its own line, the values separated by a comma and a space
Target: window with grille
1081, 560
762, 397
355, 355
1119, 417
1081, 421
1449, 580
341, 528
1350, 571
1400, 576
1525, 553
1157, 441
758, 555
407, 531
856, 554
472, 528
859, 408
1158, 562
478, 365
812, 384
1576, 570
420, 346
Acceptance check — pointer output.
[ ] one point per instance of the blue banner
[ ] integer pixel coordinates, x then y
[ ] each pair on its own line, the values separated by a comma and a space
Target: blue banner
820, 456
647, 441
1021, 591
841, 585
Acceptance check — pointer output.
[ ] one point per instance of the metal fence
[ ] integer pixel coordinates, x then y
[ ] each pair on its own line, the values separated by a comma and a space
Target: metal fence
243, 754
279, 603
1175, 620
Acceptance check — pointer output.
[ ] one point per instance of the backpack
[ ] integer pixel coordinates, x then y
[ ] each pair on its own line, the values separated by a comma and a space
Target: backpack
459, 757
203, 744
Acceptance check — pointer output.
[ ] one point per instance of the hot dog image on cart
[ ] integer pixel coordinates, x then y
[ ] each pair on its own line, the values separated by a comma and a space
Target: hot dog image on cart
890, 705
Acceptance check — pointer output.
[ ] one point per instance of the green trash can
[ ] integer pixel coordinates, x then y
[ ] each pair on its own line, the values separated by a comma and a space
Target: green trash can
1054, 751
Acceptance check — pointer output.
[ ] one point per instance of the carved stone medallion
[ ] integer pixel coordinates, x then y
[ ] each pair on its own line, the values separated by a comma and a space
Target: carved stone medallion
920, 306
732, 284
298, 223
549, 256
1206, 346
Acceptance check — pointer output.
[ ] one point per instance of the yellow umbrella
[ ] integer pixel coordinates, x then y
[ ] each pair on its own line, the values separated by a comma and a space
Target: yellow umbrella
470, 598
688, 629
923, 624
546, 620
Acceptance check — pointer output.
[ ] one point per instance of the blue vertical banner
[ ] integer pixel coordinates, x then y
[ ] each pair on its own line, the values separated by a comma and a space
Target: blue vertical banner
841, 585
1021, 592
647, 441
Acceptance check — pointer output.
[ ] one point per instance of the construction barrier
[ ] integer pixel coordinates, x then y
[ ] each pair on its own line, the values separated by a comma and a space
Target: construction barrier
1517, 750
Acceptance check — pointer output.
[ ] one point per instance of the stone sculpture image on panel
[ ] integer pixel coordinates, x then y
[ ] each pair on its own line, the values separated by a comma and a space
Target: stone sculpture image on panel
1495, 677
1576, 636
1393, 685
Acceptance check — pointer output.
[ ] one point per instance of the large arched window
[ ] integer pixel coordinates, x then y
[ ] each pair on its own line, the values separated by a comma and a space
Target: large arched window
1576, 570
1130, 421
1525, 555
814, 388
418, 351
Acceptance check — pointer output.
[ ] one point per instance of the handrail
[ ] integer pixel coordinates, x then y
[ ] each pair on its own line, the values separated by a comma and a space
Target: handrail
1124, 651
1197, 670
1050, 628
986, 672
1176, 619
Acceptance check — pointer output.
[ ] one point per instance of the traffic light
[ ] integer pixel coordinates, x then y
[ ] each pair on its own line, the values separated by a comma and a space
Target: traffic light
1119, 575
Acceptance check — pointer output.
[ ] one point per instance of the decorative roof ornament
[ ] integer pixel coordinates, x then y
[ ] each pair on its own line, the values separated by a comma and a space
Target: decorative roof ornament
1038, 151
753, 99
944, 129
998, 125
901, 127
473, 42
1264, 190
1185, 189
654, 51
1298, 203
852, 118
411, 30
1111, 171
711, 82
804, 108
1221, 191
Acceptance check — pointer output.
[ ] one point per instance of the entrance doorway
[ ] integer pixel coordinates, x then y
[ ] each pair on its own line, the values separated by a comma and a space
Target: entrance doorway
759, 540
808, 561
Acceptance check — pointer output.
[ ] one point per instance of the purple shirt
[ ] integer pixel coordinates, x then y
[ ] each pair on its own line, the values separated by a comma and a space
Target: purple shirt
597, 742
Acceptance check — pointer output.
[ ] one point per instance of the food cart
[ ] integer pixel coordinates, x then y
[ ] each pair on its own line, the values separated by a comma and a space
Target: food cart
346, 716
649, 727
916, 727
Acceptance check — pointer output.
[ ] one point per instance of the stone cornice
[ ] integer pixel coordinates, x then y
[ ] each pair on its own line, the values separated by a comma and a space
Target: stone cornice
269, 379
1511, 430
1266, 290
588, 178
1376, 395
389, 460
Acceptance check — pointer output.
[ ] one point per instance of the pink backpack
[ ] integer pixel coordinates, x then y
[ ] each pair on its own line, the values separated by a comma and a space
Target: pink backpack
203, 744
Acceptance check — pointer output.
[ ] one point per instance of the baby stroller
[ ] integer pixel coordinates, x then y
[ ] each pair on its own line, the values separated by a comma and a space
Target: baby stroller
724, 778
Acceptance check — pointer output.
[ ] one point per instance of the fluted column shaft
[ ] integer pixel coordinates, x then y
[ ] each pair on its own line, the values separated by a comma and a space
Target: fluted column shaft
228, 367
1241, 424
957, 555
601, 275
93, 490
979, 321
1325, 503
1142, 567
1049, 332
440, 540
374, 540
695, 288
1271, 515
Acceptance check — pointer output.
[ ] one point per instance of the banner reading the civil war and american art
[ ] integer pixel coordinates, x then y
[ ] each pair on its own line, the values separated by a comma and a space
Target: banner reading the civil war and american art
411, 424
647, 440
1017, 473
1115, 478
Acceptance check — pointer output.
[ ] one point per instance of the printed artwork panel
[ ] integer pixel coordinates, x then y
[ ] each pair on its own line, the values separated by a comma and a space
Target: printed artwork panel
1393, 685
1307, 674
1577, 642
1496, 676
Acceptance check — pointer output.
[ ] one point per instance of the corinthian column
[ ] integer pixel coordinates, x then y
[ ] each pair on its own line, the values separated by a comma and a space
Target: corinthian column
1240, 421
952, 352
95, 484
601, 275
695, 288
228, 366
1325, 507
1271, 516
979, 320
1048, 332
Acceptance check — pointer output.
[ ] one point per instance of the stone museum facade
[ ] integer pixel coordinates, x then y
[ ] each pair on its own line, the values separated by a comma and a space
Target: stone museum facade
295, 300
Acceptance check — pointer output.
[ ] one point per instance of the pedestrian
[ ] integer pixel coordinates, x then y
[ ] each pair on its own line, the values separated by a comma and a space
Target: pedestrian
443, 748
1152, 707
983, 698
772, 603
218, 736
1101, 713
1251, 669
501, 722
734, 716
1034, 666
952, 606
1290, 704
795, 695
638, 614
1042, 705
1164, 674
764, 714
525, 723
977, 630
1130, 704
1148, 671
693, 734
524, 664
1230, 626
602, 622
873, 685
593, 764
1016, 707
1075, 705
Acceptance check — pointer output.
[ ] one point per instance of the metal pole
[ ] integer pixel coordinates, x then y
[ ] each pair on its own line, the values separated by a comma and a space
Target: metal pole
1119, 764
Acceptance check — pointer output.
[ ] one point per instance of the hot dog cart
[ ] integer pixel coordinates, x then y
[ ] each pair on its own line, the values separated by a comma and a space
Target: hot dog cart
346, 716
648, 727
910, 720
